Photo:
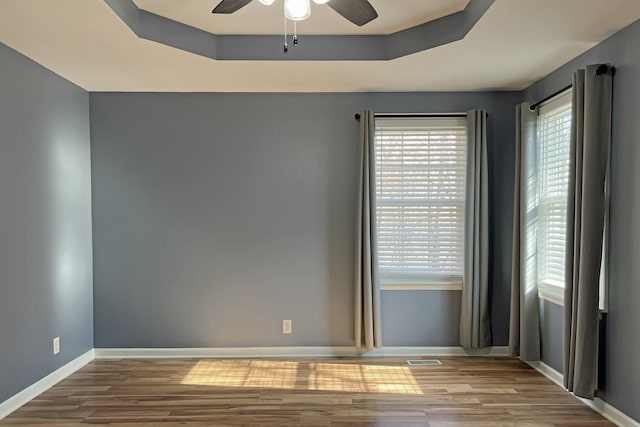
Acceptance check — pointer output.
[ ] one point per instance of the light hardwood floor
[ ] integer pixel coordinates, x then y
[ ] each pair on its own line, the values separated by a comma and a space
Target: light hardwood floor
463, 391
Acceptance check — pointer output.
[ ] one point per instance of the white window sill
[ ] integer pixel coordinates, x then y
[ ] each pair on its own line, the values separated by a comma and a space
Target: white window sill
555, 294
420, 286
551, 292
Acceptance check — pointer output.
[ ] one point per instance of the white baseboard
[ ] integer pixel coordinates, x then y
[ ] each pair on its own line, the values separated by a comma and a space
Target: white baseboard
222, 352
611, 413
34, 390
435, 351
548, 372
608, 411
248, 352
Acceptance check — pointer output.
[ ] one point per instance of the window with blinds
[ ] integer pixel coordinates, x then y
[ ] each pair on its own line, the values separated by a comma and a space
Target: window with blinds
420, 189
554, 134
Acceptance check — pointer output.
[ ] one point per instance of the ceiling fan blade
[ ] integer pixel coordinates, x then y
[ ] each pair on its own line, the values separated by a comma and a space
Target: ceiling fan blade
357, 11
230, 6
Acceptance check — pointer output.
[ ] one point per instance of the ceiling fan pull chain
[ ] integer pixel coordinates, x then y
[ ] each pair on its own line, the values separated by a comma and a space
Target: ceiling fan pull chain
286, 46
295, 33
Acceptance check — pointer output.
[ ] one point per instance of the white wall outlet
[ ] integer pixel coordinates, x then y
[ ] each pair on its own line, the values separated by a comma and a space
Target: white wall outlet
56, 345
286, 327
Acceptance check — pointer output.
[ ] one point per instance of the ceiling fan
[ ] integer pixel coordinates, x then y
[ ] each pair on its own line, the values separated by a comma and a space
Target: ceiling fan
359, 12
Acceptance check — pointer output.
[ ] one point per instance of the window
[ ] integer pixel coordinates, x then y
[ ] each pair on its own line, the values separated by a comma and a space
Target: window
553, 146
420, 190
547, 199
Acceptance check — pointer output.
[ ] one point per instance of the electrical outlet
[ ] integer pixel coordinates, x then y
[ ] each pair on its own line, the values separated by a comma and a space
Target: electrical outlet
56, 345
286, 327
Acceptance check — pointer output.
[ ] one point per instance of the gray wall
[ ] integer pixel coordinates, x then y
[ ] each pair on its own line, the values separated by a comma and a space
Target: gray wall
420, 318
551, 334
621, 386
215, 216
45, 222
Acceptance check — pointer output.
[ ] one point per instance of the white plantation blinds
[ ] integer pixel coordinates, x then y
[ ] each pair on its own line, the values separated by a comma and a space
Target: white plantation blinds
554, 133
420, 196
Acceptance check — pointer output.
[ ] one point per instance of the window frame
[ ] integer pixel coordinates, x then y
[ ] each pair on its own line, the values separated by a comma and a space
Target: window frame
550, 289
442, 282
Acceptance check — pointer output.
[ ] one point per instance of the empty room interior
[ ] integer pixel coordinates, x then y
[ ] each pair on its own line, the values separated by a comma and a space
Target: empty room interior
319, 213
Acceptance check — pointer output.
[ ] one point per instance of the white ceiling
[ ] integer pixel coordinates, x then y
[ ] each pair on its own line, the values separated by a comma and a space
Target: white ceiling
515, 43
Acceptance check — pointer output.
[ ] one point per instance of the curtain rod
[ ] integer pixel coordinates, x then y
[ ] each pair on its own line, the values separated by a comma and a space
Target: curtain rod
410, 115
533, 107
602, 68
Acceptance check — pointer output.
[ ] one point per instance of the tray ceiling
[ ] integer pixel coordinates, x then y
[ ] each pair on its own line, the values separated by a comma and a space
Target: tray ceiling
513, 44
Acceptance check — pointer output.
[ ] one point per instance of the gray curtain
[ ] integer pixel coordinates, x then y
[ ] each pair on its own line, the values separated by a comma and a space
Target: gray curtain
368, 324
590, 146
475, 323
524, 325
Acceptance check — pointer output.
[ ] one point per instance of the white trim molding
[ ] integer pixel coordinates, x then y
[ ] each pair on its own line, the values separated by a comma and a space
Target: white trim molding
249, 352
436, 351
16, 401
222, 352
611, 413
552, 291
608, 411
548, 372
421, 286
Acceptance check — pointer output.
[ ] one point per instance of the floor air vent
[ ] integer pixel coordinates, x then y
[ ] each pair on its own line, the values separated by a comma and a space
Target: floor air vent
432, 362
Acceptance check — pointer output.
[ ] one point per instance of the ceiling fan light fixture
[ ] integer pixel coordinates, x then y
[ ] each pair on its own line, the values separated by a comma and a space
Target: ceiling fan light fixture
321, 1
297, 10
268, 2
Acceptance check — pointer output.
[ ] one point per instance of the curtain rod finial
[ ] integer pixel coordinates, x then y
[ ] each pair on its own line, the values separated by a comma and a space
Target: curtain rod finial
357, 116
604, 68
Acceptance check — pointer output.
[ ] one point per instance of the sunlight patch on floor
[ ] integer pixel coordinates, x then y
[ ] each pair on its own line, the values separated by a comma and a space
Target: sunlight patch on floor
243, 373
340, 377
362, 378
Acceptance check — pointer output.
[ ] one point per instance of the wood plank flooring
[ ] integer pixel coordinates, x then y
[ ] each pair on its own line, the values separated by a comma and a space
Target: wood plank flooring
468, 391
